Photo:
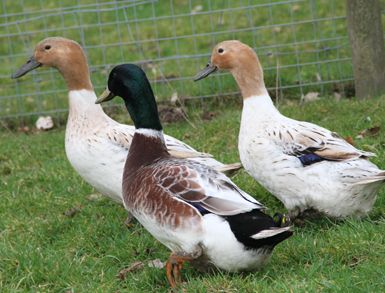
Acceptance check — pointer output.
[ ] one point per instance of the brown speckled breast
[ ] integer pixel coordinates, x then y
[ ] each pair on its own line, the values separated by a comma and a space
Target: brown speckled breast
144, 195
146, 184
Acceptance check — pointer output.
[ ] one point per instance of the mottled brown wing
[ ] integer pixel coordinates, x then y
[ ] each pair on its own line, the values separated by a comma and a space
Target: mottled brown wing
181, 182
189, 182
145, 196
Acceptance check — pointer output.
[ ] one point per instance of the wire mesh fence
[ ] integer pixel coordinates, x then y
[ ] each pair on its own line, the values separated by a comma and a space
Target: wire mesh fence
302, 44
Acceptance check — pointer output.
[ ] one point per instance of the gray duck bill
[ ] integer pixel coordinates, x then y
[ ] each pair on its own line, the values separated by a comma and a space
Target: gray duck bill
30, 65
210, 68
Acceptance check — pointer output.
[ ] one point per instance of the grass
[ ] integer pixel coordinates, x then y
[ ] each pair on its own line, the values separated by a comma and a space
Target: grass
311, 37
45, 246
57, 236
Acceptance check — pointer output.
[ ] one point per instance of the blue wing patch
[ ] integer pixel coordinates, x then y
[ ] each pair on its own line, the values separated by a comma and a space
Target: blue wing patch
309, 159
200, 209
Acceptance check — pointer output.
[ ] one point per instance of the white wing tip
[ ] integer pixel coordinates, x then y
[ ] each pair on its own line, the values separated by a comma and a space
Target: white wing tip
269, 233
368, 154
185, 154
229, 167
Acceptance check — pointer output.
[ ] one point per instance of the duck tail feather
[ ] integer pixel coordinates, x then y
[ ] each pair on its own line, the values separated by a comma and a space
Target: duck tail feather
229, 169
188, 154
273, 231
372, 179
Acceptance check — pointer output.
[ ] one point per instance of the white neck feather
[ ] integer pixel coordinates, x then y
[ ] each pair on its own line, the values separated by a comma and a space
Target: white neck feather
81, 101
151, 133
261, 106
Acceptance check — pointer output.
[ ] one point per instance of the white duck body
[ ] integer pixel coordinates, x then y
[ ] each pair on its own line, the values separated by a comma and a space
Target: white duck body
97, 146
304, 165
94, 146
269, 144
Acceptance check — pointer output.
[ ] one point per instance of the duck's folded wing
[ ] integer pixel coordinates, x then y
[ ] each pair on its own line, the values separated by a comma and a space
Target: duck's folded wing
121, 135
203, 188
306, 139
179, 149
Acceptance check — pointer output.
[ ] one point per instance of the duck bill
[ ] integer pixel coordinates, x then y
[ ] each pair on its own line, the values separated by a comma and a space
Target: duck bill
105, 96
30, 65
210, 68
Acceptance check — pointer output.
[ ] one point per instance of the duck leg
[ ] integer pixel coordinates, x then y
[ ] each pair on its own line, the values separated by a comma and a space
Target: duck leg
174, 266
129, 222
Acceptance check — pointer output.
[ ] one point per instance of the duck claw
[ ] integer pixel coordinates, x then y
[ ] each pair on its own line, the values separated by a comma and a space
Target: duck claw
173, 267
129, 221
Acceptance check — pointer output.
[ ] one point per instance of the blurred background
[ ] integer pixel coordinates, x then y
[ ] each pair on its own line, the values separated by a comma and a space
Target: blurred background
303, 46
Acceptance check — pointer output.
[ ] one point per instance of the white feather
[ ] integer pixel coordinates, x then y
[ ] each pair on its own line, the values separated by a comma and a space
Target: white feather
269, 233
336, 188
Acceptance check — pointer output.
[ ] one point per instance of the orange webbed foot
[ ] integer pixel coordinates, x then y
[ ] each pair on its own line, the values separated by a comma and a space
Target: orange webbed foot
173, 267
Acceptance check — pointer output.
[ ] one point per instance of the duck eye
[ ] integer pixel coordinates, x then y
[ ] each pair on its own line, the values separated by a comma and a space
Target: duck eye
47, 47
220, 50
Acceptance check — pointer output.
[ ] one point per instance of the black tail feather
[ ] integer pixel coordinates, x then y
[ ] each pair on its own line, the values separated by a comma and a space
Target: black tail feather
247, 224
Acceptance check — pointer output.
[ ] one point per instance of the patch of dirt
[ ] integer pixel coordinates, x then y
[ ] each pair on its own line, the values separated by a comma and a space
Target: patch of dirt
208, 115
72, 211
345, 89
170, 114
372, 131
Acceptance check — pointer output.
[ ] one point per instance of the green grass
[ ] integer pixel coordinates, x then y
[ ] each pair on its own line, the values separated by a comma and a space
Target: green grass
302, 29
43, 250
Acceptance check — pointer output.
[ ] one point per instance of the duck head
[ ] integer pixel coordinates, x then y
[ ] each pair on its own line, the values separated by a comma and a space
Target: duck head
241, 61
63, 54
129, 82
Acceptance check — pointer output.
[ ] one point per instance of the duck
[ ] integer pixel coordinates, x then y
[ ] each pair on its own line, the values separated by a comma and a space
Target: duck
96, 145
194, 210
313, 171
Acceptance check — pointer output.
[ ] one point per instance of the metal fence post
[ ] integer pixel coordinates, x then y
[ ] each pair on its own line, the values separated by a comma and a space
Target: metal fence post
367, 42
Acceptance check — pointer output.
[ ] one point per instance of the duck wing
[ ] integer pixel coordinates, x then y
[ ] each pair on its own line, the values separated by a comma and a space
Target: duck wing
202, 187
312, 143
121, 135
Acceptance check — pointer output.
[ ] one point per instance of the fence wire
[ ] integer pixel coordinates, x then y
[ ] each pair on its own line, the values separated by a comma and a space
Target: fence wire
302, 45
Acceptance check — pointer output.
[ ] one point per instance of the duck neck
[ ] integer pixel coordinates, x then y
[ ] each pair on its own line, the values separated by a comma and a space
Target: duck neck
249, 76
74, 69
259, 107
82, 102
81, 93
76, 73
140, 103
148, 143
147, 146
